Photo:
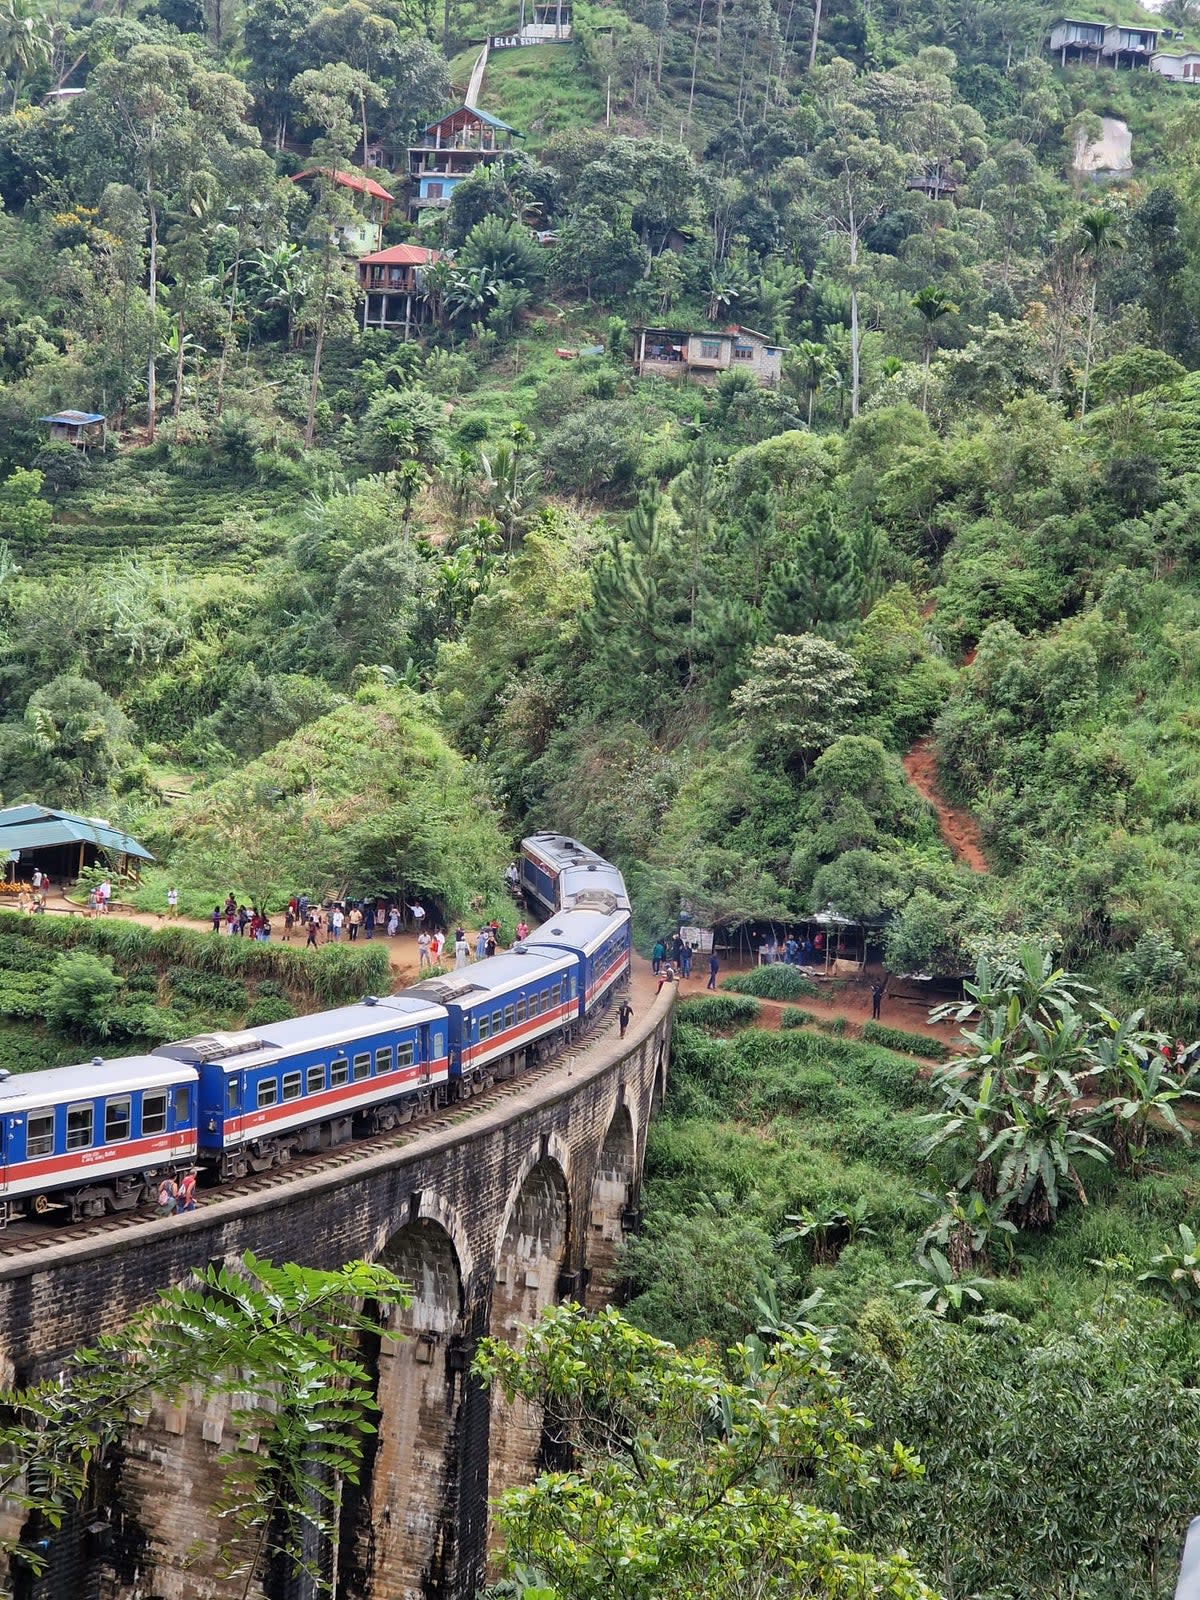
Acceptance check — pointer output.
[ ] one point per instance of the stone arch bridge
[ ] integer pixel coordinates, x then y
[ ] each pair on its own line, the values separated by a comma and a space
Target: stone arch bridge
490, 1217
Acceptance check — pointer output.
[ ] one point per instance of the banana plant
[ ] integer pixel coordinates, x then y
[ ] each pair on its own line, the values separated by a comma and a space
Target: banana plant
939, 1291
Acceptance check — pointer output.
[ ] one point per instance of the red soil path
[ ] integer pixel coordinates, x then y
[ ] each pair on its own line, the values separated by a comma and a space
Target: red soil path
958, 828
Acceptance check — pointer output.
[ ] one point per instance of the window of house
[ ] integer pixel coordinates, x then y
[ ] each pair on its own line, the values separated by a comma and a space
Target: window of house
39, 1135
154, 1114
743, 352
268, 1092
339, 1072
79, 1127
362, 1066
710, 350
118, 1115
404, 1054
434, 192
383, 1061
316, 1079
291, 1085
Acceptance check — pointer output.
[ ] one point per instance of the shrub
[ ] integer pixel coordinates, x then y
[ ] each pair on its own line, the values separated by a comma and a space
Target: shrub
267, 1010
796, 1017
913, 1044
719, 1013
834, 1026
772, 983
81, 991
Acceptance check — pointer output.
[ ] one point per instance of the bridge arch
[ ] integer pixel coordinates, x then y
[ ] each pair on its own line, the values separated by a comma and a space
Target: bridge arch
530, 1256
421, 1387
611, 1199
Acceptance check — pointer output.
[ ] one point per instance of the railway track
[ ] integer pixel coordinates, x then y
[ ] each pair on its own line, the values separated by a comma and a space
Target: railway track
28, 1238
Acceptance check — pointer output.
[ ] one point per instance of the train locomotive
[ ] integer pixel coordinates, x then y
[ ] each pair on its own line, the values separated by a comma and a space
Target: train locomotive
97, 1138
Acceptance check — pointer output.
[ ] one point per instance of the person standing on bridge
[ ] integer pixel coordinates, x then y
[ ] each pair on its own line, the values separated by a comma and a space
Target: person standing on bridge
624, 1013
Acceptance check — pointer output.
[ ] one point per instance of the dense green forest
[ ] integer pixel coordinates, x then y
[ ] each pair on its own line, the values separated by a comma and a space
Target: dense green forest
328, 611
698, 626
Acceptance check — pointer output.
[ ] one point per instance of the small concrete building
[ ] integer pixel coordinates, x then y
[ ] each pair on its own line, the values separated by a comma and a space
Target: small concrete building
60, 843
703, 356
1181, 66
393, 290
364, 232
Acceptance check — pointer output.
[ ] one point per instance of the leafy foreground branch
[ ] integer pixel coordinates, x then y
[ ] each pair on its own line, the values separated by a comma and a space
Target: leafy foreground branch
689, 1477
278, 1341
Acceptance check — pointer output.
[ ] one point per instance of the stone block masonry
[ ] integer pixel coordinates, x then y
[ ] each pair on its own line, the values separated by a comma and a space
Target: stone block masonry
490, 1219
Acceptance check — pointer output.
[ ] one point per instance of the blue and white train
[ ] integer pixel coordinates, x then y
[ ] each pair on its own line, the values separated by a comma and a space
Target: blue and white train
99, 1137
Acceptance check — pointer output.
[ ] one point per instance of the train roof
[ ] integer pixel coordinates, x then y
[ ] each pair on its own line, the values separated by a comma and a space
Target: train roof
595, 884
89, 1079
492, 976
580, 929
339, 1026
559, 850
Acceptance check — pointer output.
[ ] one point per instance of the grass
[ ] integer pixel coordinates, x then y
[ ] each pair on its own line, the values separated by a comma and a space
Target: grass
772, 983
542, 89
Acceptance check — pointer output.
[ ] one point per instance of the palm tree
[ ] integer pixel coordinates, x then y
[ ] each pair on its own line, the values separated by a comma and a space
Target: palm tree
816, 364
931, 305
26, 41
1099, 237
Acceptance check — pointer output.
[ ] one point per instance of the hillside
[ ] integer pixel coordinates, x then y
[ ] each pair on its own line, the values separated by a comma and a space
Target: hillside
746, 442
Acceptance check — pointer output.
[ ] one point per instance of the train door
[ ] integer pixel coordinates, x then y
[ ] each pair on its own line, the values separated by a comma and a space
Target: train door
425, 1053
8, 1131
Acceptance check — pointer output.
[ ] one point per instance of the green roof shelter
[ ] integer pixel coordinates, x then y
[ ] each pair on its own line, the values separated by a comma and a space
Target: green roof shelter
62, 844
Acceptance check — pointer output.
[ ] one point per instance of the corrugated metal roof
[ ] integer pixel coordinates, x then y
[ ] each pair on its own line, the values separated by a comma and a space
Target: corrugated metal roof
347, 180
31, 827
401, 255
75, 419
484, 116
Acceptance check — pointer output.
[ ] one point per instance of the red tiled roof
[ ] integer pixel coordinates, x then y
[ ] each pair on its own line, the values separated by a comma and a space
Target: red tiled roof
402, 255
348, 180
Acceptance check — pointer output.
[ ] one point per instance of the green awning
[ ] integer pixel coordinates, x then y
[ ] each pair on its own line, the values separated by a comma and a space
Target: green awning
32, 827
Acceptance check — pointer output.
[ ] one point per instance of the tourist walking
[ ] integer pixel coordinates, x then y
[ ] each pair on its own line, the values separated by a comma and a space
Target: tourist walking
424, 944
714, 966
461, 951
481, 939
355, 922
625, 1011
313, 925
168, 1196
657, 956
393, 923
172, 901
216, 919
187, 1192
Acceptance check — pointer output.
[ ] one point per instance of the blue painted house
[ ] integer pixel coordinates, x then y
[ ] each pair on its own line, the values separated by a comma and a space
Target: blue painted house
451, 149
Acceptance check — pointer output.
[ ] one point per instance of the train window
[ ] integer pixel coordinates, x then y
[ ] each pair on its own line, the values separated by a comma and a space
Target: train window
383, 1061
404, 1054
268, 1092
520, 1011
79, 1127
485, 1025
231, 1095
556, 994
39, 1135
183, 1106
291, 1085
497, 1021
534, 1003
339, 1072
117, 1119
508, 1016
154, 1114
362, 1066
316, 1079
571, 987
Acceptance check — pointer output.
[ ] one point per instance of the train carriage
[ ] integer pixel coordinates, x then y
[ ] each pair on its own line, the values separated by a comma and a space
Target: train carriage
93, 1138
600, 938
558, 873
504, 1010
302, 1084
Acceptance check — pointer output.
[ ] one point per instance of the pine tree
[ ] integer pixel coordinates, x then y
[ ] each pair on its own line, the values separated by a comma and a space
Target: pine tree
818, 588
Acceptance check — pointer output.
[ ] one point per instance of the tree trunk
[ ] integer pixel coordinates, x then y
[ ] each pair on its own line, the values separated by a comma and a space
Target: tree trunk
1087, 354
812, 395
720, 31
925, 385
152, 299
816, 34
225, 342
310, 425
695, 61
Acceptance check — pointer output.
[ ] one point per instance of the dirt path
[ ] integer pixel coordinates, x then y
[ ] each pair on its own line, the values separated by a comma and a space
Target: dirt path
958, 828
